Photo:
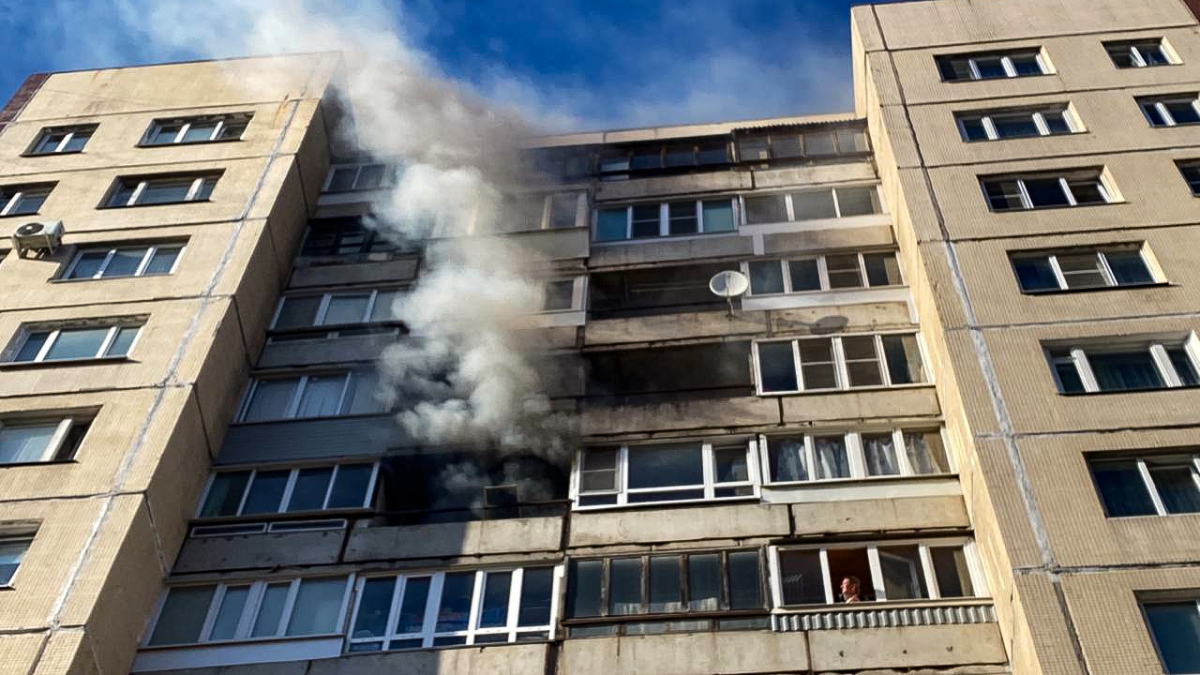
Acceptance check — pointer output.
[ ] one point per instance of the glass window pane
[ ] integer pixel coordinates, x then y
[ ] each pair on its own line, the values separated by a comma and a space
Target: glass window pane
350, 486
843, 271
682, 218
230, 613
712, 153
925, 452
346, 309
164, 132
731, 465
903, 578
1128, 267
558, 295
493, 612
718, 216
704, 582
857, 201
80, 343
233, 129
665, 465
666, 584
271, 399
1122, 489
882, 269
26, 442
745, 582
298, 312
1046, 192
766, 277
373, 607
163, 260
199, 131
270, 610
32, 345
1003, 195
777, 367
1183, 112
563, 210
805, 275
813, 205
829, 455
1122, 371
786, 457
1176, 630
321, 395
973, 129
12, 551
1056, 122
308, 493
801, 577
611, 224
1035, 274
87, 264
123, 341
880, 453
225, 494
182, 616
599, 473
584, 596
1081, 270
455, 608
124, 262
1026, 64
166, 190
412, 606
625, 586
78, 140
903, 359
950, 568
1176, 484
819, 143
1015, 126
852, 140
1183, 366
862, 363
785, 145
752, 148
342, 179
536, 592
318, 606
370, 177
384, 309
816, 363
766, 209
266, 492
646, 221
989, 67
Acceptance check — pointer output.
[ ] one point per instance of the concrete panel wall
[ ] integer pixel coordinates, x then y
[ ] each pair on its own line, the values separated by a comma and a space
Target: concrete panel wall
264, 551
359, 436
688, 654
650, 526
446, 540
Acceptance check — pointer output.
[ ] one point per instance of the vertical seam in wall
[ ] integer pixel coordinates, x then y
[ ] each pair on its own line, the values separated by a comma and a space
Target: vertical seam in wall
189, 334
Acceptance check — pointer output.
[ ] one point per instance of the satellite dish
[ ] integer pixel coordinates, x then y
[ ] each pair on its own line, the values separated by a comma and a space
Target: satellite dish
729, 284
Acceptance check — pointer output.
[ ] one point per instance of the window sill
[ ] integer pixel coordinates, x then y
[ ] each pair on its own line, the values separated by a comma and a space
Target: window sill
1071, 291
216, 644
997, 79
219, 141
691, 236
7, 465
104, 207
1126, 391
1038, 209
385, 413
985, 141
22, 215
122, 276
19, 365
51, 154
851, 390
754, 498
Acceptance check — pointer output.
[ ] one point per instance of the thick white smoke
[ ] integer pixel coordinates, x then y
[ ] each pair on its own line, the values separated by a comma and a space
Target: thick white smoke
466, 375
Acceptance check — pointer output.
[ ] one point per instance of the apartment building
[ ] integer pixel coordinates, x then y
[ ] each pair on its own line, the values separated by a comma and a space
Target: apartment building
945, 427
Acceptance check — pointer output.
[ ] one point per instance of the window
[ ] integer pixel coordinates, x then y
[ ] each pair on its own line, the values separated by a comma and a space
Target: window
1125, 365
443, 609
642, 221
525, 213
1156, 485
1000, 124
679, 155
1171, 111
629, 590
316, 395
822, 273
12, 551
99, 341
61, 140
893, 570
172, 189
131, 261
1078, 269
558, 295
24, 440
1175, 628
359, 177
1047, 190
1191, 173
840, 362
812, 205
666, 472
793, 144
1140, 53
854, 455
344, 236
300, 312
204, 129
991, 66
270, 491
23, 200
250, 610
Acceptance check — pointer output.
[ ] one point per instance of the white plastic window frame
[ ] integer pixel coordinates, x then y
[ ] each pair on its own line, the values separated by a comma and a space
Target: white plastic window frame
1006, 62
1110, 279
1134, 49
664, 220
323, 308
709, 486
186, 124
250, 611
151, 251
970, 555
433, 601
59, 148
855, 455
1064, 181
55, 445
11, 197
1160, 507
1160, 106
101, 352
135, 197
822, 272
1158, 351
289, 489
385, 181
837, 207
1038, 116
348, 389
841, 370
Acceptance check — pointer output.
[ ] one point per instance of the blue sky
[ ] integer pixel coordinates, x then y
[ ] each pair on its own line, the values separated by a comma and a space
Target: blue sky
590, 63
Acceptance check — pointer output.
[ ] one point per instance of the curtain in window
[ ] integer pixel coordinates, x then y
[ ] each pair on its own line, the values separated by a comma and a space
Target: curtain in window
830, 456
787, 459
880, 454
1125, 370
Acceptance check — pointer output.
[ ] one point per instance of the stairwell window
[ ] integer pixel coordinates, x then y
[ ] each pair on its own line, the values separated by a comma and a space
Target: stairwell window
62, 140
1001, 124
1175, 628
667, 472
1083, 187
838, 363
1079, 269
201, 129
1153, 485
26, 440
1125, 364
1143, 53
326, 394
823, 273
74, 343
1171, 111
853, 455
131, 261
992, 65
23, 200
161, 189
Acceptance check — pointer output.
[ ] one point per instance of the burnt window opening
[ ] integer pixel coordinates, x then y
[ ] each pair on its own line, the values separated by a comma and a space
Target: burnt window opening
683, 155
465, 486
345, 236
657, 290
705, 370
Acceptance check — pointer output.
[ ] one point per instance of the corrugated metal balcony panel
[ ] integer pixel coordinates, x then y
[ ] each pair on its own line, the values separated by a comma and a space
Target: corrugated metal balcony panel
357, 436
882, 617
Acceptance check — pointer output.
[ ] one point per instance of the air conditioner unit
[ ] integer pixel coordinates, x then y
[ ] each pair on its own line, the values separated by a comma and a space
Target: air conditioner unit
38, 236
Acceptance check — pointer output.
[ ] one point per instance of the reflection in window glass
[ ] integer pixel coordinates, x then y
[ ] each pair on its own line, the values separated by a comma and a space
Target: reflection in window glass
317, 606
